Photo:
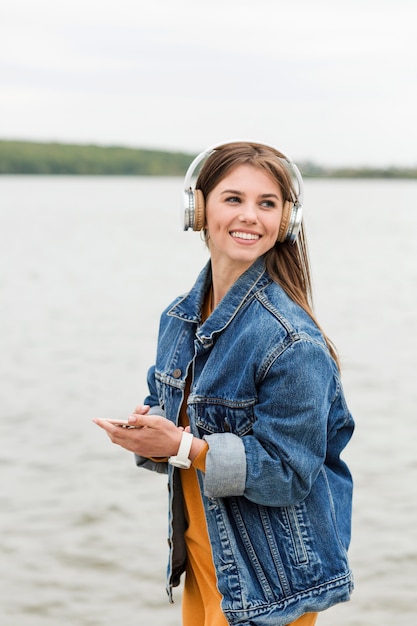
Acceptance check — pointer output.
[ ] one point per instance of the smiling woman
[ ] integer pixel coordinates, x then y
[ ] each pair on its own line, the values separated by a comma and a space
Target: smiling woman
288, 264
246, 412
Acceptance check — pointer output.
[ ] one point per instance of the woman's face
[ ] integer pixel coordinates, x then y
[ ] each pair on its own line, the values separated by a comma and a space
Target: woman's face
243, 214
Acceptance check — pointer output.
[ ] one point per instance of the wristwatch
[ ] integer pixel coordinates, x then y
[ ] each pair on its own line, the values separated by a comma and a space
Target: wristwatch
181, 460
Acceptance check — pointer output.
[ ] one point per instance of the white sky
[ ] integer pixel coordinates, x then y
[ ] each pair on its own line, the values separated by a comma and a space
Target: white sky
330, 81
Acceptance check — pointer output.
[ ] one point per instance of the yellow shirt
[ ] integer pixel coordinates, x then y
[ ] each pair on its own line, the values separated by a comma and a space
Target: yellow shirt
201, 598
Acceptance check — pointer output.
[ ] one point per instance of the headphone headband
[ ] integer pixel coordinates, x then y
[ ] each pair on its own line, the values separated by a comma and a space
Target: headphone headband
194, 164
294, 221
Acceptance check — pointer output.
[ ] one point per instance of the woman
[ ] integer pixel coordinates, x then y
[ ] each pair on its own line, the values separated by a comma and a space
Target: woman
246, 411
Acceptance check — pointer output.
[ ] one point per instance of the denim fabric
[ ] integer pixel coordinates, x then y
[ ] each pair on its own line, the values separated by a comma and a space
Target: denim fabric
267, 397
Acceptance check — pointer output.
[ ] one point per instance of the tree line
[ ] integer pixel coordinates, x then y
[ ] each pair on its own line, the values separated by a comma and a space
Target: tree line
26, 157
29, 157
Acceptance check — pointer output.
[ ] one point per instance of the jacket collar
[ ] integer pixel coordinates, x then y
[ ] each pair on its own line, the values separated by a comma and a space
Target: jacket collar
189, 307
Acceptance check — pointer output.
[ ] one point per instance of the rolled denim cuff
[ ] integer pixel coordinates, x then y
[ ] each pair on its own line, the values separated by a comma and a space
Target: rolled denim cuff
154, 466
156, 410
225, 466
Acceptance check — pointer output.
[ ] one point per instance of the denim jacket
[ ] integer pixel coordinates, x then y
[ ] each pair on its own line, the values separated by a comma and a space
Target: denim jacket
266, 396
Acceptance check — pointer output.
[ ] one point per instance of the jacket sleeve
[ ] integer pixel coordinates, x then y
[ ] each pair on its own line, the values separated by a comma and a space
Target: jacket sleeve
278, 461
152, 400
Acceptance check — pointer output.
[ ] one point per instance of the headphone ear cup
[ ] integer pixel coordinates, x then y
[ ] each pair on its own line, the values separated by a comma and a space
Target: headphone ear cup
199, 210
285, 221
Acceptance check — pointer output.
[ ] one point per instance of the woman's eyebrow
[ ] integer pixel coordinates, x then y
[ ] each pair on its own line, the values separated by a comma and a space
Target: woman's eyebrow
270, 195
235, 192
240, 193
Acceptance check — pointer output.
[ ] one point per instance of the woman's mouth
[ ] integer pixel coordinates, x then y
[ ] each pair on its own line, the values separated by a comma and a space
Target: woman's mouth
237, 234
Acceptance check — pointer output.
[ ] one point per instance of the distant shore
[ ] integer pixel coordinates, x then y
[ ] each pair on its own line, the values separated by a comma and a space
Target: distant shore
38, 158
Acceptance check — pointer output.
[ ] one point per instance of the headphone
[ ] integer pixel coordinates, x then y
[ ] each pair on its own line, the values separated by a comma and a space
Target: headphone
194, 203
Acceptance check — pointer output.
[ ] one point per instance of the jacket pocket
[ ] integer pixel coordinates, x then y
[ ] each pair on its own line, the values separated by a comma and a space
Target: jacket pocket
275, 546
220, 416
261, 559
295, 524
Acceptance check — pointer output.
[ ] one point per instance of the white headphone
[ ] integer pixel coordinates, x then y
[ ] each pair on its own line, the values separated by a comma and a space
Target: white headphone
194, 203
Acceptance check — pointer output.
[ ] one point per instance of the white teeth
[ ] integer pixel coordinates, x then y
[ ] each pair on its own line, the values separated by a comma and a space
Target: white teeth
240, 235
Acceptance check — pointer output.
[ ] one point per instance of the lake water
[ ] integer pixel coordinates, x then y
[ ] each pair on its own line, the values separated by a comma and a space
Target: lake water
87, 264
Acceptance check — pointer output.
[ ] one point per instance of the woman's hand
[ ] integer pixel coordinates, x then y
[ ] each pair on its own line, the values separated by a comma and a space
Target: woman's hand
148, 435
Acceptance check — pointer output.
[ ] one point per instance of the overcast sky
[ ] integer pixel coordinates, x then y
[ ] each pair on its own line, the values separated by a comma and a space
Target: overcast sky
330, 81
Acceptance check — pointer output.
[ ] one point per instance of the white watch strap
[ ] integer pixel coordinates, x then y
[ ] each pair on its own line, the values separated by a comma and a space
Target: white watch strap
181, 459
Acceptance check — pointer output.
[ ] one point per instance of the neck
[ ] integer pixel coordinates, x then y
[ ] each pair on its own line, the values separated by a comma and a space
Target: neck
223, 278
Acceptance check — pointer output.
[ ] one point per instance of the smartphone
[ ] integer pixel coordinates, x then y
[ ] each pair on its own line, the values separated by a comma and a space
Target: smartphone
122, 423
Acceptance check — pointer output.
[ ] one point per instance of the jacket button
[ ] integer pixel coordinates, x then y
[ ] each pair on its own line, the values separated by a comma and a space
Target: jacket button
176, 373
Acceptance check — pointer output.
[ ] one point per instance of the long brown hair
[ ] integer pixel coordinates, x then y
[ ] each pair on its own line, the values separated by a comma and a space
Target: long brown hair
288, 264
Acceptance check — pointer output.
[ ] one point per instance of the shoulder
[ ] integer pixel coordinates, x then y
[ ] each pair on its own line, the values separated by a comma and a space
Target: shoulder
277, 307
273, 328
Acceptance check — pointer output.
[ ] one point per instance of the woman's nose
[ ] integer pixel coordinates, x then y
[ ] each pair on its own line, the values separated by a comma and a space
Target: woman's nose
248, 213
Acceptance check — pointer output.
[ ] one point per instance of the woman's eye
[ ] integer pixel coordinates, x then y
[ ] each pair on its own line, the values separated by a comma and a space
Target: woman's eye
233, 199
268, 204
